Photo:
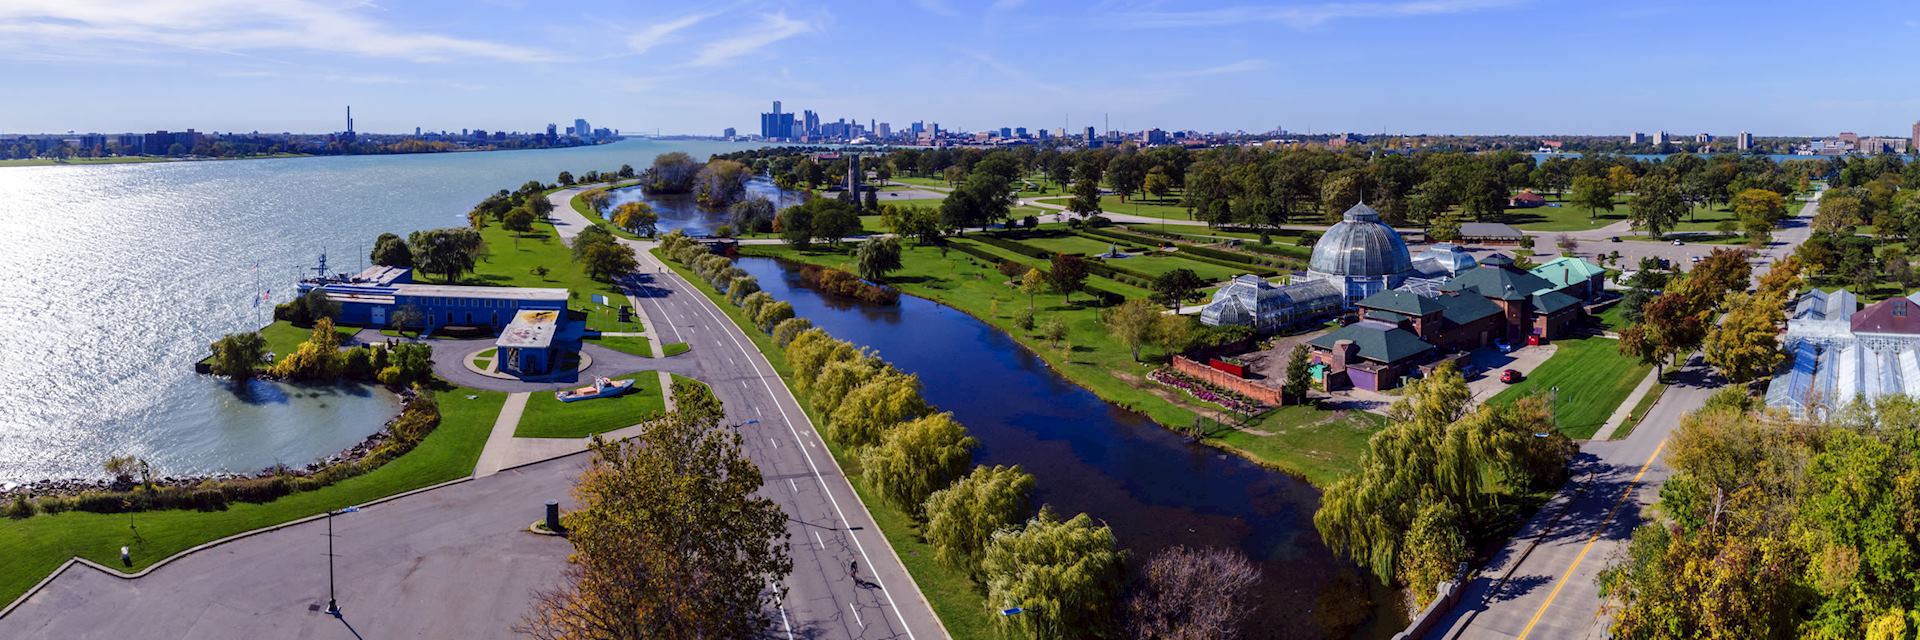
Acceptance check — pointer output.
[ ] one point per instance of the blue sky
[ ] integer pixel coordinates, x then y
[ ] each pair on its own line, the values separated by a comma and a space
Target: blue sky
1464, 66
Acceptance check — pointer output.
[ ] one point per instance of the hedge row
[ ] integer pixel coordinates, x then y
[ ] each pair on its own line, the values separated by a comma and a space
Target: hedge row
1106, 297
1207, 254
1095, 267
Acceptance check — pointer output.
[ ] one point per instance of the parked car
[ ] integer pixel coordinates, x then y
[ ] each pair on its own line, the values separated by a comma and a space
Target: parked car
1677, 242
1511, 376
1613, 238
1472, 371
1697, 259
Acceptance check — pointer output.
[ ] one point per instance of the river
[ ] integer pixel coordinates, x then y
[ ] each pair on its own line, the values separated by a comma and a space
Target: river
1152, 486
118, 276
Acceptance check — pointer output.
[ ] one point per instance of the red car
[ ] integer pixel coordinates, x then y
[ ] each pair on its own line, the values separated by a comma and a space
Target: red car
1510, 376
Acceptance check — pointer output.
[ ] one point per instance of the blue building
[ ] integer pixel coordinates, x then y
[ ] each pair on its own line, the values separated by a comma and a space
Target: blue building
372, 298
532, 343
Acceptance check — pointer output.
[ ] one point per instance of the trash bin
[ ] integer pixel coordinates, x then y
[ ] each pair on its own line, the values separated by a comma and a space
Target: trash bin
553, 515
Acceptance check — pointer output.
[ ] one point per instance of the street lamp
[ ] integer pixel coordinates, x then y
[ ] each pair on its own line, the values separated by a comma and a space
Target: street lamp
333, 606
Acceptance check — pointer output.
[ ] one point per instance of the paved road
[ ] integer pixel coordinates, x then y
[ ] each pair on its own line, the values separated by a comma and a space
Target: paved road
831, 529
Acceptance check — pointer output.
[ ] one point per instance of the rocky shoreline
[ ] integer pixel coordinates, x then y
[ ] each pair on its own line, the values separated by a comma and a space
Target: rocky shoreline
68, 487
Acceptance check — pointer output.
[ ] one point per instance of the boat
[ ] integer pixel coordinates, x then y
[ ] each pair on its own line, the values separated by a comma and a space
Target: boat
602, 388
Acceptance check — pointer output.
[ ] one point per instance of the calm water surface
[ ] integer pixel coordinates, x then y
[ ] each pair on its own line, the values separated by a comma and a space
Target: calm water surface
1153, 487
681, 212
119, 275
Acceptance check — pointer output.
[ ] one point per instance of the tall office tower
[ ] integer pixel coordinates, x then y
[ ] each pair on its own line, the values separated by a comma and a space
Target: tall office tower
581, 129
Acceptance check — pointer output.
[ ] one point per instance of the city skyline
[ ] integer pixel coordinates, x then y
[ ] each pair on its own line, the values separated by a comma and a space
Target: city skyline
1474, 66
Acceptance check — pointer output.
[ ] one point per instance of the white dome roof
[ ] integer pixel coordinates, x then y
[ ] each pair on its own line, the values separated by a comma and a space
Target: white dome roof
1361, 245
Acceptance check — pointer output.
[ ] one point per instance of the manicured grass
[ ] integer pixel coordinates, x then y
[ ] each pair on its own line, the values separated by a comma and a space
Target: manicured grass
960, 603
636, 345
672, 349
1154, 264
1069, 243
1613, 318
547, 417
1640, 409
511, 258
36, 546
1567, 216
1148, 206
922, 182
283, 338
1316, 444
1592, 377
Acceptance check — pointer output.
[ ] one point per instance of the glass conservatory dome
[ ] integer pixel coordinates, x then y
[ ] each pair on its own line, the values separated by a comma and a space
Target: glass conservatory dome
1361, 245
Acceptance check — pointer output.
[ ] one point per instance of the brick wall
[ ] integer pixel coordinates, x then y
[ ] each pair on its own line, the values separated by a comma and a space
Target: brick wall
1224, 380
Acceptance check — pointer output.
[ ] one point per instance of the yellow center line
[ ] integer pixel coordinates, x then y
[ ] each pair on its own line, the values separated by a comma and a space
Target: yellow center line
1564, 577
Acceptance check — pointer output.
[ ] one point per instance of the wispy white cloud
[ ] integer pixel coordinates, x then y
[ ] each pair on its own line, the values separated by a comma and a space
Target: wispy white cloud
236, 27
655, 34
1238, 66
771, 28
1300, 16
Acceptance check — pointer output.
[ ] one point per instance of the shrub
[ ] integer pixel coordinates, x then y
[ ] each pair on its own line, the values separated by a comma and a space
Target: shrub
788, 329
844, 284
20, 508
773, 314
1023, 319
750, 305
1011, 269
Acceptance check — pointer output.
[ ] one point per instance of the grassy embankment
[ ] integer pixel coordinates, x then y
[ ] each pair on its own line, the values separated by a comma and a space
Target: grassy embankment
1592, 378
961, 606
1314, 444
1640, 409
510, 261
36, 546
546, 417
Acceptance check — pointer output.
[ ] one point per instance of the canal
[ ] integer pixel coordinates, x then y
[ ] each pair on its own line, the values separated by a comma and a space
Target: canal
1152, 486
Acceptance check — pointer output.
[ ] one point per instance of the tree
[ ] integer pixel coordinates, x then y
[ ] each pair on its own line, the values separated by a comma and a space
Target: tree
962, 518
637, 218
1132, 323
606, 260
1436, 450
1177, 286
318, 358
1172, 332
753, 215
1069, 274
1759, 207
720, 183
565, 178
410, 363
833, 220
1669, 326
1566, 243
917, 458
672, 172
1157, 182
1621, 179
1839, 212
1127, 173
1657, 205
392, 251
1031, 284
124, 468
1445, 229
984, 199
1086, 189
796, 226
877, 256
236, 354
448, 252
1194, 594
1744, 344
519, 221
876, 407
1299, 378
598, 200
670, 539
1593, 193
1066, 575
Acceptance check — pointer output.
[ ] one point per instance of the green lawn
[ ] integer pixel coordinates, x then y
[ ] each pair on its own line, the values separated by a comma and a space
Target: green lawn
511, 258
547, 417
637, 345
1149, 206
36, 546
922, 182
1566, 217
959, 602
283, 338
1592, 377
1070, 243
1316, 444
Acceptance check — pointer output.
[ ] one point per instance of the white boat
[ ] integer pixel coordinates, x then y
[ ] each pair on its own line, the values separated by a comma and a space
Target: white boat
602, 388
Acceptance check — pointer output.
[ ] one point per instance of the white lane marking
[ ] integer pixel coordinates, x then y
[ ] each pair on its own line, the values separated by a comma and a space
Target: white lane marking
712, 311
756, 409
817, 542
731, 362
796, 487
776, 443
783, 622
856, 614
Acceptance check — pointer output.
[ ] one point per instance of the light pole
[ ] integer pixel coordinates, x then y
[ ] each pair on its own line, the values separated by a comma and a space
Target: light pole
333, 606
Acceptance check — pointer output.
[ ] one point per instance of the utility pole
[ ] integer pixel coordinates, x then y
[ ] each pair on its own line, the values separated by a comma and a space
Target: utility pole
333, 605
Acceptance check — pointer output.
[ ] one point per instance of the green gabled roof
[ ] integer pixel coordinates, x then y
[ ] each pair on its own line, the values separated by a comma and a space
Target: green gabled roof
1564, 271
1378, 341
1553, 302
1500, 283
1465, 308
1405, 303
1386, 316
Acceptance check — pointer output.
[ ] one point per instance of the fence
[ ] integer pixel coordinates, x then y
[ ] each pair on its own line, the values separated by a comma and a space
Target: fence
1259, 392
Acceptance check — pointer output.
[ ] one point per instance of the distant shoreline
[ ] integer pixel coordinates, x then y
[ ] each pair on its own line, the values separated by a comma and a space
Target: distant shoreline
50, 162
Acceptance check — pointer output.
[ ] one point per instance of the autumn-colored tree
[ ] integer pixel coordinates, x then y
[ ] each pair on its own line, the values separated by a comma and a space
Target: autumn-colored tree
636, 217
1744, 344
1069, 274
1032, 284
671, 538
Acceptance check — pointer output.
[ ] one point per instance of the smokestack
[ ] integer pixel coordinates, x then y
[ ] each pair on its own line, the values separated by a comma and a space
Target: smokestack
349, 118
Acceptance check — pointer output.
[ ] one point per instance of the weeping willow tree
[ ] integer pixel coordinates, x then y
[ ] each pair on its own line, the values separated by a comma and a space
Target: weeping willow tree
1428, 477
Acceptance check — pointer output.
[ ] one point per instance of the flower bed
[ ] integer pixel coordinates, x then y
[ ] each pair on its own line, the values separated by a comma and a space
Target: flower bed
1201, 390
